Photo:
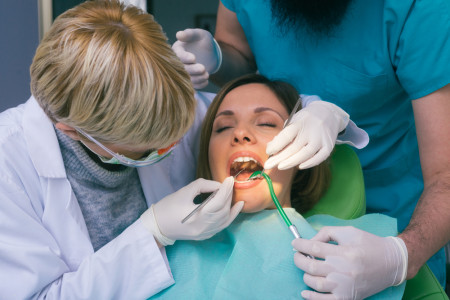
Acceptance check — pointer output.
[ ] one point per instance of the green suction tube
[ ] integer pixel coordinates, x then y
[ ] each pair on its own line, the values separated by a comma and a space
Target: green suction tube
291, 227
274, 197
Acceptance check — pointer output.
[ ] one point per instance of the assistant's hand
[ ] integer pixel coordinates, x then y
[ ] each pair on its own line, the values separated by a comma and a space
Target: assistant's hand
310, 137
361, 265
163, 219
200, 54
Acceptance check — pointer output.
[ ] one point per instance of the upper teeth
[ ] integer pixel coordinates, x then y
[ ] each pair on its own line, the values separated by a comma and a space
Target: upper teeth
245, 159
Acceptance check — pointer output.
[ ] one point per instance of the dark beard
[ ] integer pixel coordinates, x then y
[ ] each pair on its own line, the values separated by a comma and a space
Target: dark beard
317, 17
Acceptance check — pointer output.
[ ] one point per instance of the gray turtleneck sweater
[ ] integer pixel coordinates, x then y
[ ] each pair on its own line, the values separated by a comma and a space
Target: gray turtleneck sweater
110, 196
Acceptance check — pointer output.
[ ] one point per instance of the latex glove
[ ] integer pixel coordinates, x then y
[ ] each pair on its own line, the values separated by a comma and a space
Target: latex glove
361, 265
163, 219
309, 138
200, 54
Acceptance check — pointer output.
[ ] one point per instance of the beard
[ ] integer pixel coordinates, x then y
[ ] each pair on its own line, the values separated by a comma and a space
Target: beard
317, 17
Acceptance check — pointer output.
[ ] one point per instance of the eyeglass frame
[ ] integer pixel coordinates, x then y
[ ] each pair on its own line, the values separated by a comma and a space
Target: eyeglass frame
161, 153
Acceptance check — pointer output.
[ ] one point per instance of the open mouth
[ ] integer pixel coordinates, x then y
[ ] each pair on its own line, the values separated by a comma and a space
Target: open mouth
244, 167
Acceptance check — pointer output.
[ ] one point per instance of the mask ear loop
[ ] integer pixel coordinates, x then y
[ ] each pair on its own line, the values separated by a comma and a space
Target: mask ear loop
119, 157
161, 153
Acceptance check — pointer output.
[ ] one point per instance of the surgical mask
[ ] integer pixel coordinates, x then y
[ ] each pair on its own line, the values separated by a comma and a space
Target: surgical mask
154, 156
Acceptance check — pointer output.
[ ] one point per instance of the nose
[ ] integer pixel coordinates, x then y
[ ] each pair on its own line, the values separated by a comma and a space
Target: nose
241, 135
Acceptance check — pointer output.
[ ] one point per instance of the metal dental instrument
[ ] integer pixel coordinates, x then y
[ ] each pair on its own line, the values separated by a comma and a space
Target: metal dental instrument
205, 201
292, 227
294, 110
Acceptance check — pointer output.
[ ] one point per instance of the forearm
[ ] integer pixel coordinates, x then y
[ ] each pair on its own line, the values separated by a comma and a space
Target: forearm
429, 228
234, 64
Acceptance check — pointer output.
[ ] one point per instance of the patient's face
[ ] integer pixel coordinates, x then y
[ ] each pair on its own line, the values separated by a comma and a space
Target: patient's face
249, 117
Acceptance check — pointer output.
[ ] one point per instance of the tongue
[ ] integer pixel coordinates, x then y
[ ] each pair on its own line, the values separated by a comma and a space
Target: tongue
244, 175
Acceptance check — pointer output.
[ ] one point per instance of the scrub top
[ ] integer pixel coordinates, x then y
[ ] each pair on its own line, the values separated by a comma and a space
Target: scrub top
383, 55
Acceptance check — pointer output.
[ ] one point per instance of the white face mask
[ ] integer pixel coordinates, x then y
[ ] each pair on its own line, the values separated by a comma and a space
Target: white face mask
154, 156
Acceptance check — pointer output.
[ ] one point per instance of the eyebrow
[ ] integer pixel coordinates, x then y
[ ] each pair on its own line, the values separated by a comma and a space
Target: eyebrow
256, 110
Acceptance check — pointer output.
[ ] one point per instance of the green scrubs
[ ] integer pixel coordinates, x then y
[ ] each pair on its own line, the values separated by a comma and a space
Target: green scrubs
383, 55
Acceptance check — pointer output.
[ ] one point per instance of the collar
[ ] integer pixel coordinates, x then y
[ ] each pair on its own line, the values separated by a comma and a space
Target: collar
42, 143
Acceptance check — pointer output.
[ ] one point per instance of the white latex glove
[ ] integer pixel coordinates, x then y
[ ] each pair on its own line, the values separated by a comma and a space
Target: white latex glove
309, 138
142, 4
200, 54
163, 219
360, 265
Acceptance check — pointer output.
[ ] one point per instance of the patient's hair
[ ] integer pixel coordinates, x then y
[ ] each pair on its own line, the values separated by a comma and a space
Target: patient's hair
108, 69
308, 185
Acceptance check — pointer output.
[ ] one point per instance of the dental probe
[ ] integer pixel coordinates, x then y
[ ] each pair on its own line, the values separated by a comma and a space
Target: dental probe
206, 201
292, 227
294, 110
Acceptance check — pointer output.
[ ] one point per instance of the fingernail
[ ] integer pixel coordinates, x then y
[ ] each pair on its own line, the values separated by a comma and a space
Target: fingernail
305, 294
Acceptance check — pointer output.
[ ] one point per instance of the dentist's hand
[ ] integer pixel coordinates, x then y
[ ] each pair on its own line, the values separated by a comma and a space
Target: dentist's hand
163, 219
310, 137
200, 54
360, 265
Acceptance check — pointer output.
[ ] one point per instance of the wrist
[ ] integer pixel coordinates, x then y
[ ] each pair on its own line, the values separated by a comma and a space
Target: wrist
340, 115
403, 260
415, 262
149, 221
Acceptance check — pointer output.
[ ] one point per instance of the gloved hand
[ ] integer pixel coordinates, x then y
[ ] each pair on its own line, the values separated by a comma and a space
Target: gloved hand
200, 54
310, 137
163, 219
361, 265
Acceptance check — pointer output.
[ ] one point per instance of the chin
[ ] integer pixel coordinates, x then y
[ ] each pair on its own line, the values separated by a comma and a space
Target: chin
251, 206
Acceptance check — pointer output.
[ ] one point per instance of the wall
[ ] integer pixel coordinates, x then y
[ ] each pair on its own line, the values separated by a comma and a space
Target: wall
20, 36
175, 15
19, 33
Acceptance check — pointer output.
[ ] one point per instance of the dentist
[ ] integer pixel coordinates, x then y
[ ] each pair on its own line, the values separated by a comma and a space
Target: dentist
78, 219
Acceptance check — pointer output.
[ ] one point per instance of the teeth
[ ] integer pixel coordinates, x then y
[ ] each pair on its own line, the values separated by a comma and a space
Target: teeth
244, 164
241, 181
244, 159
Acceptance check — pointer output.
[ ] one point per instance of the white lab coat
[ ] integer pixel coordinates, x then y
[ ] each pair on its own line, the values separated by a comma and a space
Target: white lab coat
45, 249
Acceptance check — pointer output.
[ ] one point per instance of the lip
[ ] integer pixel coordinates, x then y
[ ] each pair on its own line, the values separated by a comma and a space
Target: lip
248, 184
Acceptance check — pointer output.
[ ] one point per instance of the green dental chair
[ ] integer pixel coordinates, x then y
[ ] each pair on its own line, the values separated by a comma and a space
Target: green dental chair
350, 203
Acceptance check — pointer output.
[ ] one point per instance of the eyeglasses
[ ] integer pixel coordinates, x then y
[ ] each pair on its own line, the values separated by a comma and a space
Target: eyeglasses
154, 156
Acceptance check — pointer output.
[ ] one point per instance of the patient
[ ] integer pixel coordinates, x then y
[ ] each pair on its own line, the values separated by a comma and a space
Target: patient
245, 115
253, 258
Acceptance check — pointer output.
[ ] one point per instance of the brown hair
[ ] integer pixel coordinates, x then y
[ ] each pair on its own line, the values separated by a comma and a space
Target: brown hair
308, 185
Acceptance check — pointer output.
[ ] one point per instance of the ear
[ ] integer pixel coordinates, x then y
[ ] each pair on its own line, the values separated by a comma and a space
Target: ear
68, 130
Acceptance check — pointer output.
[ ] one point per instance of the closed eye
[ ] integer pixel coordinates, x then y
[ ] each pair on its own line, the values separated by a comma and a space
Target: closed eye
221, 129
268, 125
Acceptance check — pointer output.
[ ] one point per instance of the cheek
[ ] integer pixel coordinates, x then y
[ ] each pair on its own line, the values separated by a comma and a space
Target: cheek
217, 160
282, 182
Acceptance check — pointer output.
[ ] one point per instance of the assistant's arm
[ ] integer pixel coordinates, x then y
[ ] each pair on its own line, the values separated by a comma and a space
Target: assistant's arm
429, 228
382, 261
237, 57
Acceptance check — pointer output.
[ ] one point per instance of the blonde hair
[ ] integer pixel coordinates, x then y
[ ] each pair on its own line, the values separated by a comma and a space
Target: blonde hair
308, 185
108, 69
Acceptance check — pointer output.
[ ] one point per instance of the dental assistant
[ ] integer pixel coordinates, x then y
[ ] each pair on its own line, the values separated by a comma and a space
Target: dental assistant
386, 64
93, 166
